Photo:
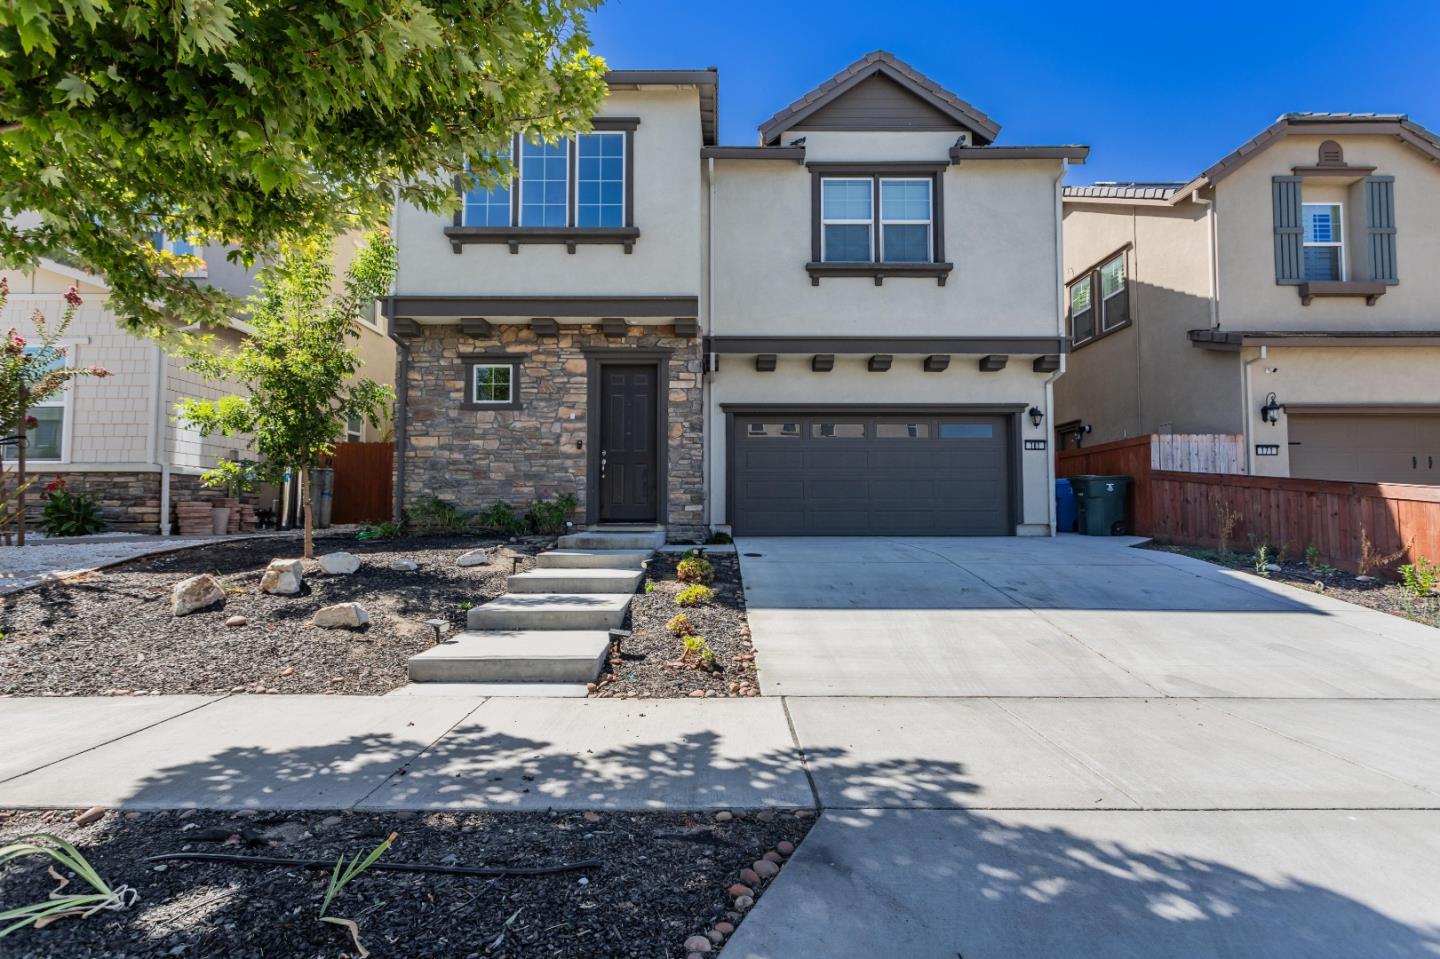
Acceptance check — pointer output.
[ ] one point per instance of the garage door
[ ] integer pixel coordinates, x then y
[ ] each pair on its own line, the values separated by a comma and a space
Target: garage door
817, 475
1365, 449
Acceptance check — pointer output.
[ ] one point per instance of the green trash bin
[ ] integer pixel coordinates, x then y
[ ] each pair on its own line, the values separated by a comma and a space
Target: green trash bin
1100, 504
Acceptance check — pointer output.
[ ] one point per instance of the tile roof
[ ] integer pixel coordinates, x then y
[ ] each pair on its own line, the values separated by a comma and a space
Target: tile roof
1124, 191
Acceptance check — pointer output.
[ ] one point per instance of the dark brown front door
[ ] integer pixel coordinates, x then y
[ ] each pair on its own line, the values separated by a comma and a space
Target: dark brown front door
628, 459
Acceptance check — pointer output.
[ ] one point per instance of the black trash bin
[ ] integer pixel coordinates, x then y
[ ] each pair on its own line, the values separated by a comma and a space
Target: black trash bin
1100, 504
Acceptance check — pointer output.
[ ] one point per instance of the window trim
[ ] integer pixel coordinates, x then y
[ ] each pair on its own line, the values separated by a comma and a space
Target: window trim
1104, 326
517, 208
477, 361
1339, 207
514, 236
937, 267
65, 404
868, 223
1091, 275
880, 221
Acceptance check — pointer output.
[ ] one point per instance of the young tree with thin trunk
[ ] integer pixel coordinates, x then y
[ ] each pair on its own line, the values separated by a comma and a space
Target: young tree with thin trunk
297, 365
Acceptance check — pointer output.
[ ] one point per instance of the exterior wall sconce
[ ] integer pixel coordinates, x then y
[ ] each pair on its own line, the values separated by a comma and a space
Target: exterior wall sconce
1036, 414
1270, 412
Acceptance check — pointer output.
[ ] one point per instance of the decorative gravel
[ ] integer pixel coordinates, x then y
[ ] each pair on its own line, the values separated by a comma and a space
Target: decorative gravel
1378, 594
112, 632
659, 879
648, 662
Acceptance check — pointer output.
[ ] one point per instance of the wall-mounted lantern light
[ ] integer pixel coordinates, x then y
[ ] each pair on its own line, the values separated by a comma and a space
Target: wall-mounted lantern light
1036, 415
1270, 412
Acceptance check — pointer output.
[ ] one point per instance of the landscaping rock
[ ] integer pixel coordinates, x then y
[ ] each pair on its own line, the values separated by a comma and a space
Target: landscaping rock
195, 593
236, 621
724, 815
283, 577
715, 936
92, 815
405, 565
478, 557
739, 889
744, 902
774, 857
341, 616
784, 848
339, 564
724, 928
765, 869
750, 877
698, 944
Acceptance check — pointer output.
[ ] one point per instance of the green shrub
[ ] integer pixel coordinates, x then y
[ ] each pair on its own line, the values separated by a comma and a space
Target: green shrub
699, 652
386, 530
433, 516
501, 518
1262, 560
1420, 577
719, 539
679, 625
69, 514
696, 595
550, 516
1312, 555
695, 570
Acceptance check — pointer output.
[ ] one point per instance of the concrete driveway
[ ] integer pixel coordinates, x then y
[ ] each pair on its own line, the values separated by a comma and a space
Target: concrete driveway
1034, 748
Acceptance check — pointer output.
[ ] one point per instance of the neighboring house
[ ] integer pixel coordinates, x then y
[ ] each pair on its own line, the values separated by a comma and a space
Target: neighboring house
1288, 294
849, 328
117, 437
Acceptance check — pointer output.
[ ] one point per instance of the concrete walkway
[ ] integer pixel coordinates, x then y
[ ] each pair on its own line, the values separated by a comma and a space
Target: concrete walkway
48, 560
1022, 748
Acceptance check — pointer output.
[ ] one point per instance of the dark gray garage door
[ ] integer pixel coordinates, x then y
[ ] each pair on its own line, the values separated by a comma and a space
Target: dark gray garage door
817, 475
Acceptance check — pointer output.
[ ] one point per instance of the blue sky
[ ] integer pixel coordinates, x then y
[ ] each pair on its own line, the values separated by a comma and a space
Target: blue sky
1158, 90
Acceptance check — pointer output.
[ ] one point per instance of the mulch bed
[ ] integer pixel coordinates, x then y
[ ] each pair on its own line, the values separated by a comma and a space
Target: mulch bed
647, 895
648, 662
1378, 594
112, 632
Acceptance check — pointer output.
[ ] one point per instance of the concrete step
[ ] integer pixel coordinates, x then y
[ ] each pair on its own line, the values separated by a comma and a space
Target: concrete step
486, 690
551, 611
576, 581
514, 656
613, 539
592, 559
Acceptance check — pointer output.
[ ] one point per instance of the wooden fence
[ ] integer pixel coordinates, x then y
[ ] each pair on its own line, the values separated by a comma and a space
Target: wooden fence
363, 482
1198, 452
1121, 458
1399, 522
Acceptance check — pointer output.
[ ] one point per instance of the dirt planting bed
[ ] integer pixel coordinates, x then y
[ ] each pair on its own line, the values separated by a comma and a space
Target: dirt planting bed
646, 883
112, 631
648, 663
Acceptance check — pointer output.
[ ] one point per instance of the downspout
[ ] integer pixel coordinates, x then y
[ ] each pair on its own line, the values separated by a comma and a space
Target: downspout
1212, 258
402, 373
1245, 411
156, 452
1049, 385
706, 419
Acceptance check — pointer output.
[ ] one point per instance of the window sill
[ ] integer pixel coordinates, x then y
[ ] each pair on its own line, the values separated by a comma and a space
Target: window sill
512, 405
1371, 290
879, 271
514, 236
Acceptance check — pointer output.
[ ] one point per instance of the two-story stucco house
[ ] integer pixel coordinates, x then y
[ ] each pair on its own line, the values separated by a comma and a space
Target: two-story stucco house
1287, 294
851, 327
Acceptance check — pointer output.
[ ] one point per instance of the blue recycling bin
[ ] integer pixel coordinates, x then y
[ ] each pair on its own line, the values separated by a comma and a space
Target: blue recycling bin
1065, 508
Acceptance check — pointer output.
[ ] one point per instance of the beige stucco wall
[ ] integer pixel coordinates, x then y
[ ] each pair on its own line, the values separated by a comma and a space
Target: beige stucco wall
1402, 376
850, 382
1147, 378
1249, 296
999, 233
666, 257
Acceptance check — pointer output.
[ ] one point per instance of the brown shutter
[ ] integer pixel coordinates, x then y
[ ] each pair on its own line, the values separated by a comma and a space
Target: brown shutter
1380, 227
1289, 247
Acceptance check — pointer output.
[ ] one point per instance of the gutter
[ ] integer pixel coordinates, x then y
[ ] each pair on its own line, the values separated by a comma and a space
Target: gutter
155, 442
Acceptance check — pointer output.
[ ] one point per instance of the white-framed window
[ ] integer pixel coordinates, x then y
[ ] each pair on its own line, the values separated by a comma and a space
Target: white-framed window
487, 207
1324, 239
847, 221
1114, 294
905, 219
354, 428
600, 179
1082, 312
492, 384
544, 183
45, 442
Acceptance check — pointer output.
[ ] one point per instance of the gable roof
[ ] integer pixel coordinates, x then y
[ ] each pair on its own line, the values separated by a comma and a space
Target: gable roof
887, 65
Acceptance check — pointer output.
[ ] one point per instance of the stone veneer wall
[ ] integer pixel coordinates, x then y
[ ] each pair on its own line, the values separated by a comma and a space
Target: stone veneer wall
129, 501
474, 457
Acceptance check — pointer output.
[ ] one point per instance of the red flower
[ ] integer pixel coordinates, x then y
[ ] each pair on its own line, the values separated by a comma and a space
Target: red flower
14, 343
99, 371
31, 423
72, 296
55, 485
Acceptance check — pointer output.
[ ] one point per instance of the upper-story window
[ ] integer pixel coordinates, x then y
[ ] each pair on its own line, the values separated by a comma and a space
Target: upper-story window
1324, 241
851, 232
559, 190
1099, 299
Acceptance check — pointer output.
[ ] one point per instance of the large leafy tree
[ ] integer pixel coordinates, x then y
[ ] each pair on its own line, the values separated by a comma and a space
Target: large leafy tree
256, 122
298, 364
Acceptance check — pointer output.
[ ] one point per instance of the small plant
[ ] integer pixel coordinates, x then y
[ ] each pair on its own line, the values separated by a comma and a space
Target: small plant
69, 514
696, 595
679, 625
342, 877
1370, 560
389, 529
433, 516
1262, 561
1226, 520
501, 518
465, 606
1420, 577
1312, 556
550, 516
698, 652
719, 539
649, 587
695, 569
59, 905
